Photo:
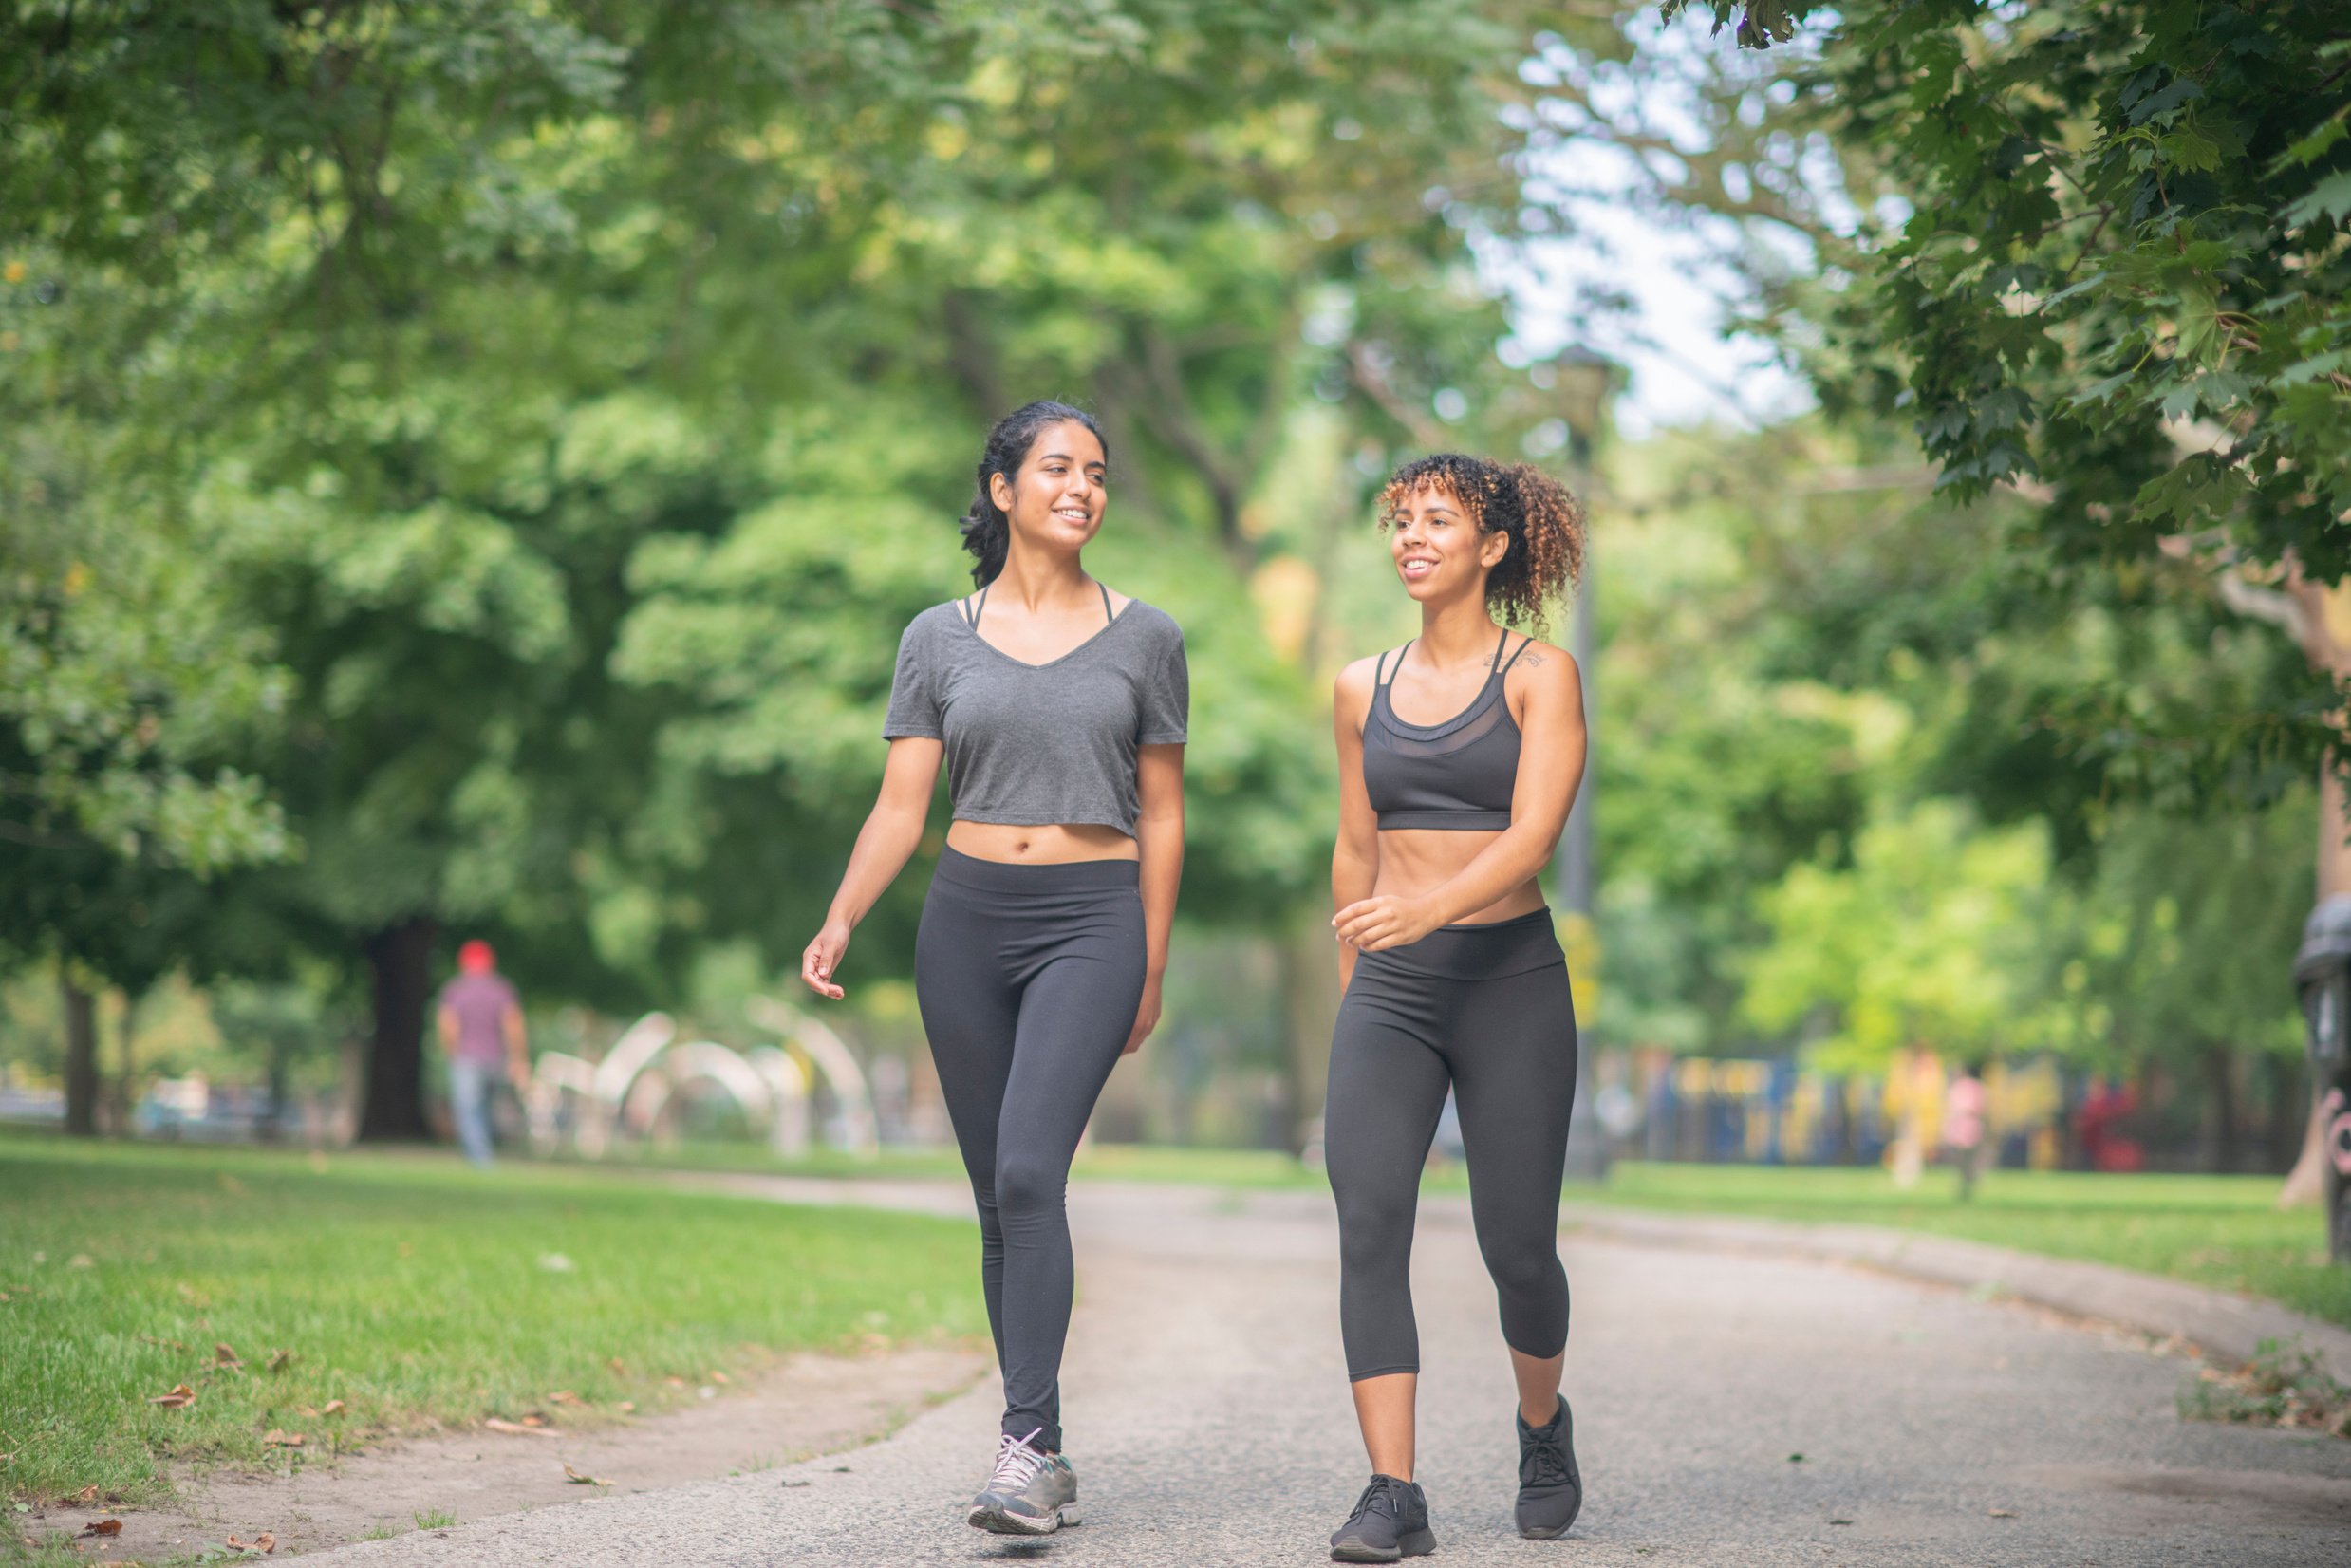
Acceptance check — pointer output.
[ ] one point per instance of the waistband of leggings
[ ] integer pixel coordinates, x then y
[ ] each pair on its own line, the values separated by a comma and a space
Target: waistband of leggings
1068, 876
1486, 951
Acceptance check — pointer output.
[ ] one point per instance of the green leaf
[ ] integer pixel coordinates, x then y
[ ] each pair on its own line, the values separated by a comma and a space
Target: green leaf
2329, 199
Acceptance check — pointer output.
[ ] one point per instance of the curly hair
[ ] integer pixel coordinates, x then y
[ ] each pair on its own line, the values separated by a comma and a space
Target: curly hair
1545, 522
987, 532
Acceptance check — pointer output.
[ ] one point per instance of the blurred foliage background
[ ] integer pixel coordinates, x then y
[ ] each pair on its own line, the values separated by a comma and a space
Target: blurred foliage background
464, 464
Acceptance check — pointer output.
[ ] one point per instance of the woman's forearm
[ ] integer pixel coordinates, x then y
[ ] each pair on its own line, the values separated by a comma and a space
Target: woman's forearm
1160, 837
1515, 857
884, 844
1354, 875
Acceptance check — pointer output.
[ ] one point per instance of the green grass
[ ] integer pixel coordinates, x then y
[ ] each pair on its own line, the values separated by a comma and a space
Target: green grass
2222, 1231
414, 1291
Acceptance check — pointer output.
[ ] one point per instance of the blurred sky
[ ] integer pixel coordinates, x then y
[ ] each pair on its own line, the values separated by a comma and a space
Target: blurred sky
1673, 277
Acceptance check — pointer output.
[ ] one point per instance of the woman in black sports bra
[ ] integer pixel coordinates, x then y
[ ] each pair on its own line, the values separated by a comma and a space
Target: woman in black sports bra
1459, 756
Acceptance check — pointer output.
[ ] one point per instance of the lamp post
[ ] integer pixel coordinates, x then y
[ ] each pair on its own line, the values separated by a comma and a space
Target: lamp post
1584, 382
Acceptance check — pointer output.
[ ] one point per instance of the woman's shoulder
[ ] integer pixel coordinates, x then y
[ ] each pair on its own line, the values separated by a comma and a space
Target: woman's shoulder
1152, 621
1538, 660
935, 621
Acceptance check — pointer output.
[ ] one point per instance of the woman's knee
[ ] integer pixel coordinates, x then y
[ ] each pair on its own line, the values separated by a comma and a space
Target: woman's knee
1524, 1265
1027, 1185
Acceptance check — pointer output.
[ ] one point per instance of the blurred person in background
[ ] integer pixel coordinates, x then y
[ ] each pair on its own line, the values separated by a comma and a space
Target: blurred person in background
1060, 711
1459, 756
479, 1020
1967, 1133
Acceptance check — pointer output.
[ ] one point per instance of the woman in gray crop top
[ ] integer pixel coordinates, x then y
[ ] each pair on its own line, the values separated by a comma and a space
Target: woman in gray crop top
1058, 709
1459, 756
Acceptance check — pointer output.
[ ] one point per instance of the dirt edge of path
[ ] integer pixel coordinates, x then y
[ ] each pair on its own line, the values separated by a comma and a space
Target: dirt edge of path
811, 1404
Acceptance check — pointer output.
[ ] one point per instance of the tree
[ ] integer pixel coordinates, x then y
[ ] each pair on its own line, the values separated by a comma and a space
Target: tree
2122, 282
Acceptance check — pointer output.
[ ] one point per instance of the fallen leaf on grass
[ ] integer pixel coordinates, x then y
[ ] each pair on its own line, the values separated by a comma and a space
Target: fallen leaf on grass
280, 1361
563, 1397
263, 1543
497, 1424
555, 1262
180, 1394
283, 1440
718, 1378
332, 1407
675, 1382
167, 1344
82, 1498
578, 1480
620, 1368
80, 1261
627, 1407
101, 1527
224, 1356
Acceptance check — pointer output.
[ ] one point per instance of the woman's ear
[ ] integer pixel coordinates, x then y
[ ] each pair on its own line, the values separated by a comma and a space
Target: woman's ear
1493, 548
1000, 491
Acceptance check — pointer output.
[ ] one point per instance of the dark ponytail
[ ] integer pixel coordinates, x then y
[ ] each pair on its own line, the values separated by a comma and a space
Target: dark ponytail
1545, 522
987, 532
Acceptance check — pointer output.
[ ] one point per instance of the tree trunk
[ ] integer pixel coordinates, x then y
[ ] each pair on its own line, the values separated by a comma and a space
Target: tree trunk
281, 1073
121, 1101
398, 957
2305, 1184
2220, 1148
80, 1057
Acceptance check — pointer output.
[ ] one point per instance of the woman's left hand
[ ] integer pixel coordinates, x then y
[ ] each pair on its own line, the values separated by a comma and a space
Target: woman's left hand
1384, 919
1146, 1016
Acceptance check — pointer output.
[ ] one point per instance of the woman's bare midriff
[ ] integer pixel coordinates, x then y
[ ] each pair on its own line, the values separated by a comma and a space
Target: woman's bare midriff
1416, 860
1053, 843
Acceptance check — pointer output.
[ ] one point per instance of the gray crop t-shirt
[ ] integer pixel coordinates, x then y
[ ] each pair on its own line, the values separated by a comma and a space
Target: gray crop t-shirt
1033, 744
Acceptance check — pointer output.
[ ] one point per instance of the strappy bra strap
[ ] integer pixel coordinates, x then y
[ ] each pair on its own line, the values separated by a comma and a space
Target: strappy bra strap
1514, 658
1107, 614
1496, 667
1381, 674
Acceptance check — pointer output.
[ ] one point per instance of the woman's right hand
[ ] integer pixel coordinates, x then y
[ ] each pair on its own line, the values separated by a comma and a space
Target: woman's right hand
822, 959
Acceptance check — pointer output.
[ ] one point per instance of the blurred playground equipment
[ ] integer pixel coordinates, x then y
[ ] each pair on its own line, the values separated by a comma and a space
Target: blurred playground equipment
808, 1084
1778, 1113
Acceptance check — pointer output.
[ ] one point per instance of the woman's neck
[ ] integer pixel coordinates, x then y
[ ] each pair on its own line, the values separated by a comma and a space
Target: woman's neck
1038, 580
1458, 632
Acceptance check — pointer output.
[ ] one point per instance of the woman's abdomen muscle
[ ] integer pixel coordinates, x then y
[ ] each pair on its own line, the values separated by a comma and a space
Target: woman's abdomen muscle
1416, 860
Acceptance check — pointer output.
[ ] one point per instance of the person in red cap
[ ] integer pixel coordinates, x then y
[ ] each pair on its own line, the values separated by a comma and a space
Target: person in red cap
480, 1021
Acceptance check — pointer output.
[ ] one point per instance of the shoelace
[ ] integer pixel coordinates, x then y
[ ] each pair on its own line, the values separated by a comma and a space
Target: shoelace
1017, 1464
1371, 1496
1544, 1463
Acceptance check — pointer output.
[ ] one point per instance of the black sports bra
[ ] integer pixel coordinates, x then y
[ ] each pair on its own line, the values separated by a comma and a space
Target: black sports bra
1457, 774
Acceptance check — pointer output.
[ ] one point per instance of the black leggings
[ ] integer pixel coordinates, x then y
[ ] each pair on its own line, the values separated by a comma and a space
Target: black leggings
1029, 978
1486, 1009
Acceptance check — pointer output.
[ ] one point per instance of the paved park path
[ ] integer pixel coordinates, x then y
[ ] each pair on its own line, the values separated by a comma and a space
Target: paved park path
1208, 1418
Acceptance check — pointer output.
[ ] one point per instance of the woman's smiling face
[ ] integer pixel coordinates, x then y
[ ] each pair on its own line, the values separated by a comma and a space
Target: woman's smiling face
1438, 545
1056, 499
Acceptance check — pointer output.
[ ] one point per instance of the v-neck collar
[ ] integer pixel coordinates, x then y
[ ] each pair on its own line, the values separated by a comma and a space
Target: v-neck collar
1116, 621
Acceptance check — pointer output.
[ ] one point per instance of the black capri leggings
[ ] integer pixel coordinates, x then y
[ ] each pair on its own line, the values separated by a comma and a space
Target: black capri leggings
1486, 1009
1028, 977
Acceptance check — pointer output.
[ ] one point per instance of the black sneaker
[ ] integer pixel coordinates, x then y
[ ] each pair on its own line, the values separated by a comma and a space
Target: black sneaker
1391, 1520
1551, 1488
